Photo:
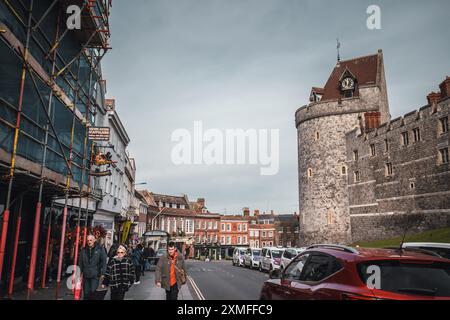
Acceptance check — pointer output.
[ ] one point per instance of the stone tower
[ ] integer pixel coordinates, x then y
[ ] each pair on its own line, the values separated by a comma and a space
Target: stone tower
355, 90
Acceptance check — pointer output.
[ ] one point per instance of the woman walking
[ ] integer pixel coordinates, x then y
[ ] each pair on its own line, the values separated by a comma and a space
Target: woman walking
119, 274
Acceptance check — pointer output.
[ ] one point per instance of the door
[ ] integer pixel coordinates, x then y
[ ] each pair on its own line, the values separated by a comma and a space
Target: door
289, 278
311, 284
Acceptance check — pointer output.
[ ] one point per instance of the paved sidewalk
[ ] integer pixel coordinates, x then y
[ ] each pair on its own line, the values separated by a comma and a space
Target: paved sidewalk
146, 290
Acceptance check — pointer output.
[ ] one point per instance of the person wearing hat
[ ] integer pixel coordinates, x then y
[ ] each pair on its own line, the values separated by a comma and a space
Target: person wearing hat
119, 275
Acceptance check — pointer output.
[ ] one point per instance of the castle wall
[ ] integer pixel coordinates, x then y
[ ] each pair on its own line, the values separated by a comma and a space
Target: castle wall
417, 194
323, 195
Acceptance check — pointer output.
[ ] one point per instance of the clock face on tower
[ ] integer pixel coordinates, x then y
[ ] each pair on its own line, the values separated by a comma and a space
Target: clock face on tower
348, 84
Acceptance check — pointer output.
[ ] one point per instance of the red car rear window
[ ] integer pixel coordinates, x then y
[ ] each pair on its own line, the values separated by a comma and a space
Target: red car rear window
430, 279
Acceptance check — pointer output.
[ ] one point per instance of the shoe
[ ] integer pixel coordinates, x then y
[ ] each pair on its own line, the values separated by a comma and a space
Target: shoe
138, 282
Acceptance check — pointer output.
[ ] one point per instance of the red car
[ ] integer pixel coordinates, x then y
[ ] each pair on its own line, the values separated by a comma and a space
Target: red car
334, 272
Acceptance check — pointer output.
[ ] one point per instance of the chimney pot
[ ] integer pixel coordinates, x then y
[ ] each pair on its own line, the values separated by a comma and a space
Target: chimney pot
445, 88
433, 98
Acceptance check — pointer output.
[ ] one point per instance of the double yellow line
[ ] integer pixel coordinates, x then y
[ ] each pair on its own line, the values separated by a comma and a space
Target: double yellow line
196, 289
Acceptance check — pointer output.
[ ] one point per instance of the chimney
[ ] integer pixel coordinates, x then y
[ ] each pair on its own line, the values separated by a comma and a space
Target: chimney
256, 212
433, 98
110, 104
201, 202
445, 88
246, 211
372, 120
271, 212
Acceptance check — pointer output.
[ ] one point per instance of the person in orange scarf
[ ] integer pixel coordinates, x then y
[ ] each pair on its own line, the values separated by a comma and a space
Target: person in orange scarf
168, 269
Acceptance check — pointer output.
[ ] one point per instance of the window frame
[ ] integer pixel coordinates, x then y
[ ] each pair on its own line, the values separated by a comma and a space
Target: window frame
311, 254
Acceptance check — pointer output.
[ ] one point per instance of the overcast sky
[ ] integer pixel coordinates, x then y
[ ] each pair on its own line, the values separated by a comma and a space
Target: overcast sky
250, 64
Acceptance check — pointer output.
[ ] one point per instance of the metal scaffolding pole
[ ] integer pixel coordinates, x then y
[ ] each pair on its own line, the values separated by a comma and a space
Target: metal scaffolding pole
31, 273
16, 245
15, 143
64, 222
47, 244
77, 237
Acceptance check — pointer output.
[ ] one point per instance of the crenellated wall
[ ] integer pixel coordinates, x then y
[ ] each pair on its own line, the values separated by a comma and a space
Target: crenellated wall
417, 193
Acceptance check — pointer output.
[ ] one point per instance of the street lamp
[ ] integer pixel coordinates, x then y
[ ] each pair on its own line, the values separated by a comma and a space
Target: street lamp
154, 218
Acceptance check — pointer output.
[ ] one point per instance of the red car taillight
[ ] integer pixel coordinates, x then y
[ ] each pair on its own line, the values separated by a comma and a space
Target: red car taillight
352, 296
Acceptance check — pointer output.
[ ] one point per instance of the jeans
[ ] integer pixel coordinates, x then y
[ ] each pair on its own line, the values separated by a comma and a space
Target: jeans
89, 286
137, 272
172, 294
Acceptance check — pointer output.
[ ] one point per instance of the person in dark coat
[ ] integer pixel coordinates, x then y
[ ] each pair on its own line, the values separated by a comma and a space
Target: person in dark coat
168, 269
136, 257
92, 266
119, 275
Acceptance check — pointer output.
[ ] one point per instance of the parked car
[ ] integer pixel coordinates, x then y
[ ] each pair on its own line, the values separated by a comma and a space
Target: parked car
271, 258
333, 272
238, 256
442, 249
252, 258
288, 255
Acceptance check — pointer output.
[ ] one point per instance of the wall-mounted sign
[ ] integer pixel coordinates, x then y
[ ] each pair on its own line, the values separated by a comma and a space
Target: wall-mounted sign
99, 133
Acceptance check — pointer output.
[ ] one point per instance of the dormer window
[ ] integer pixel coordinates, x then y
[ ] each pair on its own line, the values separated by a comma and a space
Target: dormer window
316, 94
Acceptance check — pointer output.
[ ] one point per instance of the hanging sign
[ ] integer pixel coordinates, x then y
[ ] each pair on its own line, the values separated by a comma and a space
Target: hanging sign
99, 133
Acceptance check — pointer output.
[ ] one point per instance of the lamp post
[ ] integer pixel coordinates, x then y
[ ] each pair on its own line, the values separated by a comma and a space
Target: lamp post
140, 183
154, 218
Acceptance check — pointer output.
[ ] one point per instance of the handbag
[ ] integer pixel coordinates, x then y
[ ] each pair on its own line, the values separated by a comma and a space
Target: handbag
182, 275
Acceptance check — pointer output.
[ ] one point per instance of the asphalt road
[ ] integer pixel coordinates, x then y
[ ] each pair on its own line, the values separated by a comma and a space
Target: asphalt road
220, 280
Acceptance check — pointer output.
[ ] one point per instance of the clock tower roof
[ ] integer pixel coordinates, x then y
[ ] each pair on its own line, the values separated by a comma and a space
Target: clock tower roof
366, 70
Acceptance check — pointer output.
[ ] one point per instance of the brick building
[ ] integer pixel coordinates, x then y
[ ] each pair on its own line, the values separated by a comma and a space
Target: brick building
234, 229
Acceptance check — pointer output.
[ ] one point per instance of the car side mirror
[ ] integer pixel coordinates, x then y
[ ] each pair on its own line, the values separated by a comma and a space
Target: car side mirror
274, 274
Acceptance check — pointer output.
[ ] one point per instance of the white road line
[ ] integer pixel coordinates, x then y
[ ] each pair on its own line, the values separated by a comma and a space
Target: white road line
196, 288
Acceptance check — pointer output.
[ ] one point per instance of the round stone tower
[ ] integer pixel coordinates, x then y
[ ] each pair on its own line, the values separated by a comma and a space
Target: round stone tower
354, 87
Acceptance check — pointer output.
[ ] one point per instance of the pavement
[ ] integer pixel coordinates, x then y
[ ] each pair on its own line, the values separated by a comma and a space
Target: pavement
220, 280
146, 290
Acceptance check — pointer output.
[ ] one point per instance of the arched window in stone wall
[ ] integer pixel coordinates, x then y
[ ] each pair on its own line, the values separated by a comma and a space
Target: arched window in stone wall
344, 170
330, 216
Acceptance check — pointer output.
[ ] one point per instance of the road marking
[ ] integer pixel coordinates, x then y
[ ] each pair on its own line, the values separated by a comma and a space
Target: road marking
196, 288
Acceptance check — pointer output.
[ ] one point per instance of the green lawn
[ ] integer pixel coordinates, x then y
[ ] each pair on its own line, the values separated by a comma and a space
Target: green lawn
437, 235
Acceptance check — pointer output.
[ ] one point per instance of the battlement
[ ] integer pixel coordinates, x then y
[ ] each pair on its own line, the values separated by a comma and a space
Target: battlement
409, 119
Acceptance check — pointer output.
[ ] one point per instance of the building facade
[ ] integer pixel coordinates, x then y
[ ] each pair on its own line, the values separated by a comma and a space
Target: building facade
335, 173
112, 210
401, 178
49, 96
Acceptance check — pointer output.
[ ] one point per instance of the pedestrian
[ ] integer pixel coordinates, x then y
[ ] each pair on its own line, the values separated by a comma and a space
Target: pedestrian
92, 266
113, 250
171, 272
144, 262
119, 275
136, 257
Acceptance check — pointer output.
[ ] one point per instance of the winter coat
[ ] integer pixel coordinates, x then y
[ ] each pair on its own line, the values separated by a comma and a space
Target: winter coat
162, 272
136, 257
119, 275
93, 261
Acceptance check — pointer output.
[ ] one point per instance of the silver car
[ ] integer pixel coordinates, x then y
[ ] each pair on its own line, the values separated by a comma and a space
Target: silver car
252, 258
238, 256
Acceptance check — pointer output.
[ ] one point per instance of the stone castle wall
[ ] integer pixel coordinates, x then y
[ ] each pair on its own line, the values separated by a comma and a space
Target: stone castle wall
417, 194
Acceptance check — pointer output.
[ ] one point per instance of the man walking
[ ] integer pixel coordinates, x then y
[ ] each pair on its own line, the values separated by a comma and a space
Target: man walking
170, 272
92, 266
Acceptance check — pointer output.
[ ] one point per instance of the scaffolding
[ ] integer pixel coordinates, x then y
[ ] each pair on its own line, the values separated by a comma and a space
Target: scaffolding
50, 89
